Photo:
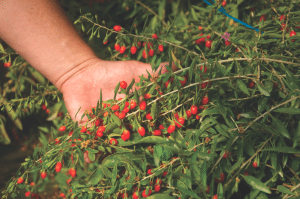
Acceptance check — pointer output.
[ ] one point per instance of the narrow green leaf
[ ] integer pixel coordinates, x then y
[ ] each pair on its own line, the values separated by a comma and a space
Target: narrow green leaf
203, 173
262, 89
255, 183
279, 127
284, 189
160, 196
292, 111
130, 85
284, 149
243, 87
116, 90
153, 110
116, 119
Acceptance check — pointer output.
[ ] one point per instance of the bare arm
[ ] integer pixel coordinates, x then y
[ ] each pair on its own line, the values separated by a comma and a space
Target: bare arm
42, 34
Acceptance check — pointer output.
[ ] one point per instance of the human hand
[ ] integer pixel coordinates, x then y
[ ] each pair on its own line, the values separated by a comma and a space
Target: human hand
83, 88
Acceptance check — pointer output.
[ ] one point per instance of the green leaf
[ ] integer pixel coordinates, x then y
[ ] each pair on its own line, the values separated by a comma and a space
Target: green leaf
116, 90
243, 87
160, 196
284, 149
114, 174
157, 154
153, 110
203, 173
130, 85
116, 119
279, 127
96, 176
255, 183
188, 192
283, 189
292, 111
262, 89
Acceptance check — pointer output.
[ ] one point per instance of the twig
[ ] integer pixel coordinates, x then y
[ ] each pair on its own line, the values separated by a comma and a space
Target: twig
283, 86
296, 187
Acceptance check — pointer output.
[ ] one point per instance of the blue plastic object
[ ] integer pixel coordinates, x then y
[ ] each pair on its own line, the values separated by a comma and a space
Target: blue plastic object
222, 10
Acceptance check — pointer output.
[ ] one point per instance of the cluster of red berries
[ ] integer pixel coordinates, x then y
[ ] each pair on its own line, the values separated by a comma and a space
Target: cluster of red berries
7, 64
134, 48
204, 40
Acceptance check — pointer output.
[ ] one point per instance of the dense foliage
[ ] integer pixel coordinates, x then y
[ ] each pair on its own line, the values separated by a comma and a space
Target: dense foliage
221, 120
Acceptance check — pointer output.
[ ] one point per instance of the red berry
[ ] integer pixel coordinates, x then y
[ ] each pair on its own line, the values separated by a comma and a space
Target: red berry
56, 140
117, 47
27, 194
7, 64
148, 44
113, 141
83, 129
157, 188
223, 3
205, 68
160, 47
188, 113
181, 120
58, 167
204, 85
161, 127
207, 189
154, 36
117, 28
147, 96
226, 155
208, 43
176, 115
122, 49
165, 173
198, 117
171, 129
194, 109
227, 43
115, 107
293, 33
200, 28
101, 129
201, 40
215, 197
139, 44
251, 84
135, 195
144, 193
48, 111
20, 180
183, 82
157, 132
123, 84
132, 105
263, 17
144, 54
141, 131
222, 178
148, 116
167, 83
125, 110
205, 100
282, 17
62, 195
151, 52
283, 27
105, 42
149, 172
122, 115
44, 107
32, 184
143, 105
43, 174
254, 164
126, 135
72, 172
133, 49
246, 173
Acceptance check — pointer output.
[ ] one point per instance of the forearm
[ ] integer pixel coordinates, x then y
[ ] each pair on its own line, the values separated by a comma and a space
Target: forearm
42, 34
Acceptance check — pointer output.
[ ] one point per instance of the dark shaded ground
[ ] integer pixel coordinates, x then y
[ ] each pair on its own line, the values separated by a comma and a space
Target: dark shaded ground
11, 157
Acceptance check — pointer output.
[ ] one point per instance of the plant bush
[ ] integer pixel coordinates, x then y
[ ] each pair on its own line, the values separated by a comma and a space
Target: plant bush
221, 120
